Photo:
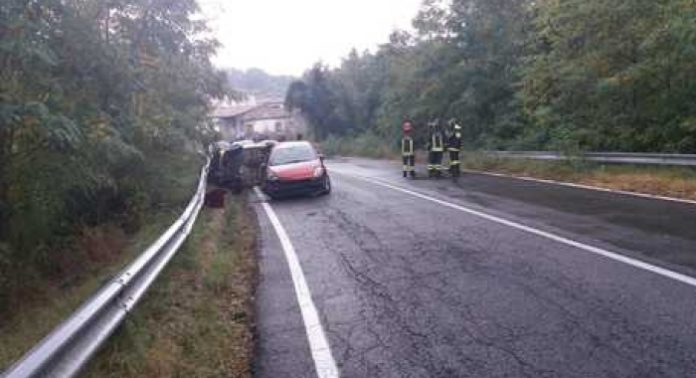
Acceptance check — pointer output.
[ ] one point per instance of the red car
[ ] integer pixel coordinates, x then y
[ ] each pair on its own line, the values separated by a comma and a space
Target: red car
295, 168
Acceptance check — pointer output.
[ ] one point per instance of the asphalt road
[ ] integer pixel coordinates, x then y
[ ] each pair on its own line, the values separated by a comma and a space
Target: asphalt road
408, 287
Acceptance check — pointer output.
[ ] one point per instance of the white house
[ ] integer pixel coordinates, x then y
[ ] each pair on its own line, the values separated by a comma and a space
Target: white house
265, 120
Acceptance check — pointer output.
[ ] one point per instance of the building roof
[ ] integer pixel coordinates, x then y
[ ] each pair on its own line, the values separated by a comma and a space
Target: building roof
230, 112
270, 110
267, 111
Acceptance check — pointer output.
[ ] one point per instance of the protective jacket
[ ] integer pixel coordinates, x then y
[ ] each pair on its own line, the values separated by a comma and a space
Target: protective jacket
407, 146
436, 144
454, 143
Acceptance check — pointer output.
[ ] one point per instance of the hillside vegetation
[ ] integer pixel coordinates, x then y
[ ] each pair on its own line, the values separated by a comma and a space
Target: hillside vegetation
522, 74
102, 107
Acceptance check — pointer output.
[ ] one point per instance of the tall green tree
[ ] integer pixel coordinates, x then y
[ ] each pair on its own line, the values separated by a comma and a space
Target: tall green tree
316, 98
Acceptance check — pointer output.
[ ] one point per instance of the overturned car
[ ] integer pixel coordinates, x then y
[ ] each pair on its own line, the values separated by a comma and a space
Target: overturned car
238, 165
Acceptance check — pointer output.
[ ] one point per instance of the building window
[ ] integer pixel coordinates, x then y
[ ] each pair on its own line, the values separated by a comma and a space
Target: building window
278, 127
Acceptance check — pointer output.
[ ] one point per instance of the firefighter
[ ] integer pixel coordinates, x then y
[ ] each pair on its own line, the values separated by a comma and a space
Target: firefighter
408, 153
454, 146
435, 149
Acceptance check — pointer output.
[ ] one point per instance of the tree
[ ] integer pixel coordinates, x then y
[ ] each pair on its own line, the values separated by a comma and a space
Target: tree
613, 76
554, 74
89, 92
315, 98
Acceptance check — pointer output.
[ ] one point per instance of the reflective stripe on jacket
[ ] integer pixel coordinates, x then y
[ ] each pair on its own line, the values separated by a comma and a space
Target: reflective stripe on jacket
437, 144
407, 146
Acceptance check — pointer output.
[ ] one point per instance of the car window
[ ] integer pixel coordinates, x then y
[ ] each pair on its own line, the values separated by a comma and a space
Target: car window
292, 154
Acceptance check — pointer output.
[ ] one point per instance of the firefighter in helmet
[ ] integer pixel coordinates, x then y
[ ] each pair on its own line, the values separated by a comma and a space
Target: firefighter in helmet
454, 146
408, 153
435, 147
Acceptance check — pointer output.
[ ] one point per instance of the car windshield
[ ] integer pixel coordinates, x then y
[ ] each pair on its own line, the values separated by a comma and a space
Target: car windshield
292, 154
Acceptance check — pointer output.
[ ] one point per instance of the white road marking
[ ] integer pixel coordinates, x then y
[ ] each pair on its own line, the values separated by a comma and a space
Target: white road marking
579, 186
588, 187
324, 362
560, 239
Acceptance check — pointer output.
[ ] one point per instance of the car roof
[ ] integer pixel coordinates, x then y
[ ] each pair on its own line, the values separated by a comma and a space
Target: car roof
293, 144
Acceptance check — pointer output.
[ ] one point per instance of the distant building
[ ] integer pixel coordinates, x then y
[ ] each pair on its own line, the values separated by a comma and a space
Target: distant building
259, 121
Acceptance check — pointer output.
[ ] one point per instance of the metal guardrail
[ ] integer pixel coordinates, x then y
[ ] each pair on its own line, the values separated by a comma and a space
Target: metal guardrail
70, 345
605, 157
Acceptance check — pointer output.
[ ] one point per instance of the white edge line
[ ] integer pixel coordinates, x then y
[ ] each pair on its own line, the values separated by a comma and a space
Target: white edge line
582, 186
560, 239
324, 362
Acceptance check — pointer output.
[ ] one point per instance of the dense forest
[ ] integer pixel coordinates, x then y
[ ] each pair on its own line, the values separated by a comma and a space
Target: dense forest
565, 75
91, 93
259, 83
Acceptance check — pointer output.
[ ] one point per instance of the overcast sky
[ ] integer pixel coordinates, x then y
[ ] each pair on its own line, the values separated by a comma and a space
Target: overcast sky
288, 36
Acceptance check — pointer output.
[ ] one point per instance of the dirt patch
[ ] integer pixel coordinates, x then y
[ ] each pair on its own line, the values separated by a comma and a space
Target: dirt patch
102, 244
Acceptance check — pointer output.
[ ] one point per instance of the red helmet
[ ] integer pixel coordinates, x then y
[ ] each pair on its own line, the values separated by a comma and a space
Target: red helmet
407, 127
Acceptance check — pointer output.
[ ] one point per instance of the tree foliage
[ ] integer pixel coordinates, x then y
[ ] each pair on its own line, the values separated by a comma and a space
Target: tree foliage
616, 76
89, 90
550, 74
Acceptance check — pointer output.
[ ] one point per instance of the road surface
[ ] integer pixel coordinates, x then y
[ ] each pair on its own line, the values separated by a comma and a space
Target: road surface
488, 277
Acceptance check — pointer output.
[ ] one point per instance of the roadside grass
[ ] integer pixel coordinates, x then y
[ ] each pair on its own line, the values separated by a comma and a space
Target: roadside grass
196, 320
365, 145
90, 259
677, 182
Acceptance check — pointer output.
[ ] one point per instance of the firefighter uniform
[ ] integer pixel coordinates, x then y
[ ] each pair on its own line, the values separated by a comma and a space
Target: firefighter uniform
436, 150
454, 146
408, 155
